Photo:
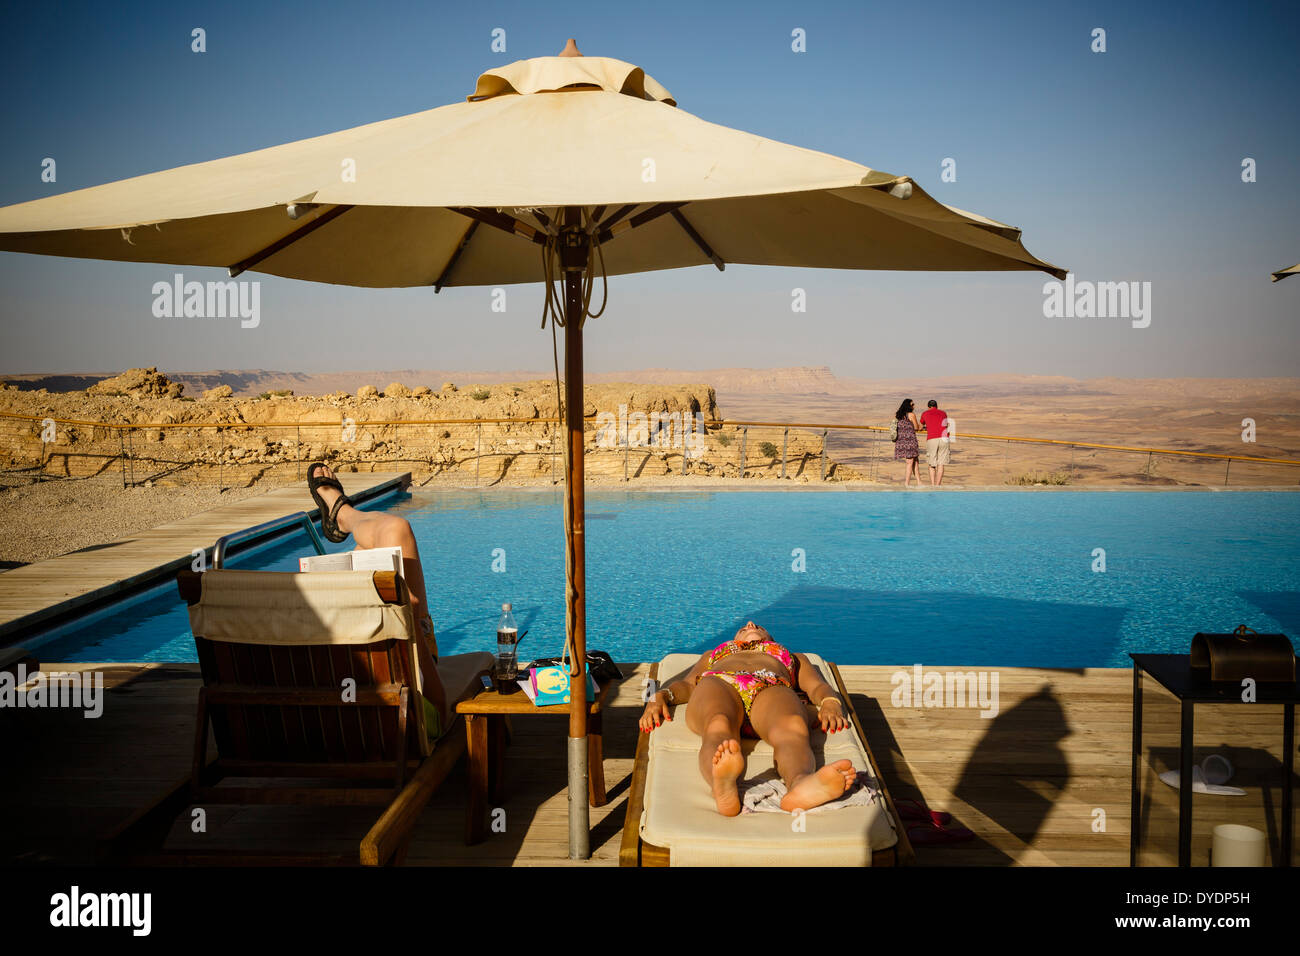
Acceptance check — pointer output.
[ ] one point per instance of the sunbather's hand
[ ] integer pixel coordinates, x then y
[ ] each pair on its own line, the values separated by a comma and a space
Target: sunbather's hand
831, 716
655, 713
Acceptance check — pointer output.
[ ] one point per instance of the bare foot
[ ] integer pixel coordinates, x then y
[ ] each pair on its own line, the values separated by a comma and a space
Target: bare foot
728, 765
814, 789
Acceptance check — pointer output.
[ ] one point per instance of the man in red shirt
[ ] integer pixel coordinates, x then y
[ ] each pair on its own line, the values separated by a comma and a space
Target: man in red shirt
936, 423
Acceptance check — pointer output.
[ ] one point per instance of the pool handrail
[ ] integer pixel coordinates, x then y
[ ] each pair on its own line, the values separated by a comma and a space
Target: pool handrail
265, 528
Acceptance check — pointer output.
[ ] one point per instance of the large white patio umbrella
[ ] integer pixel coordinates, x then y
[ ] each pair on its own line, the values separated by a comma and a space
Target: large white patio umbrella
564, 165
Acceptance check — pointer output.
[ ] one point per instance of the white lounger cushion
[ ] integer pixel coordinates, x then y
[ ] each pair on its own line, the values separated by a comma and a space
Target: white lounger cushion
281, 608
680, 814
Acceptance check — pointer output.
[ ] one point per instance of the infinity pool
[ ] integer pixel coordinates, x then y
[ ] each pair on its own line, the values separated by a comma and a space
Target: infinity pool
961, 578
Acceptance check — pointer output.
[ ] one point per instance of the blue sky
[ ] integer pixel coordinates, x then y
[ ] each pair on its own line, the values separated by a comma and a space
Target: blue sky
1123, 165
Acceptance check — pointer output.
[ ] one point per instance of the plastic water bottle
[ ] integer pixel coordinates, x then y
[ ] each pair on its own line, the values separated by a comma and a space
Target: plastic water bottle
507, 663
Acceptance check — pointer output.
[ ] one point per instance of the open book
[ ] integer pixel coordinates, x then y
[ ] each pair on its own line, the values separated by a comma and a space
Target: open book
365, 559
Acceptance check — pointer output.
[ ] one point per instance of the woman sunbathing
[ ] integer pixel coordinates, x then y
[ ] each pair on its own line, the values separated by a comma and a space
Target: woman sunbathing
746, 686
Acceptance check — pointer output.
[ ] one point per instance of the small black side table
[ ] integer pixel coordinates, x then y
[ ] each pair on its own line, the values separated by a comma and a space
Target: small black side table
1174, 673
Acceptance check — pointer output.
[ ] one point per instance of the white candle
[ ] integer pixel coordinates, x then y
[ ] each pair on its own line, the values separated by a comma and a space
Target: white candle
1236, 845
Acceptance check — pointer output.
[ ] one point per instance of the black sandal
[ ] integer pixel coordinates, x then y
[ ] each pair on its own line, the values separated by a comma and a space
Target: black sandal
329, 523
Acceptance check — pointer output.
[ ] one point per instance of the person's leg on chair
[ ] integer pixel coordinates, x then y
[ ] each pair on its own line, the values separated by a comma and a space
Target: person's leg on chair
378, 530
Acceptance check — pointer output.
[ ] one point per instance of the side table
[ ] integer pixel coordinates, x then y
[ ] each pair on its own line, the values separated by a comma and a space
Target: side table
1174, 673
485, 727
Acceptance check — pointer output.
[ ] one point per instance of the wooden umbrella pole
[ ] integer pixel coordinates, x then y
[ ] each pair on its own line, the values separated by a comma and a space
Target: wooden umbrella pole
577, 595
573, 258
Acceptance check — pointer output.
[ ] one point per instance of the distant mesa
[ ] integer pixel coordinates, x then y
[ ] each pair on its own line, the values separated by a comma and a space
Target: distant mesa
797, 379
403, 382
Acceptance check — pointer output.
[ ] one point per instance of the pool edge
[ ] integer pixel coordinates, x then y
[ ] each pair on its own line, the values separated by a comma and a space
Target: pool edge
18, 631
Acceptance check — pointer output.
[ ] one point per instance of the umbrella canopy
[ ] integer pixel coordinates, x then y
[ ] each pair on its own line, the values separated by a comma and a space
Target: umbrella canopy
568, 161
544, 133
1283, 273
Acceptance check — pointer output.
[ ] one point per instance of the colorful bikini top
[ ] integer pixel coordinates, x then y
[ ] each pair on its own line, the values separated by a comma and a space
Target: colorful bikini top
771, 648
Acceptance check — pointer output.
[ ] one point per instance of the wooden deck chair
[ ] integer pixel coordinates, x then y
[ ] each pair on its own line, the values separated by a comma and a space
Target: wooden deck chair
672, 821
312, 678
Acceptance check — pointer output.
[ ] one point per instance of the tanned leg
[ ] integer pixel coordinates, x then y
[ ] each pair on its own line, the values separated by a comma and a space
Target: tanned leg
378, 530
715, 712
779, 717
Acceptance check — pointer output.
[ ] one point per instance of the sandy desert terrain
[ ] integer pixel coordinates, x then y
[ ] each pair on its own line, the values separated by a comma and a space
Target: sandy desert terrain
1199, 415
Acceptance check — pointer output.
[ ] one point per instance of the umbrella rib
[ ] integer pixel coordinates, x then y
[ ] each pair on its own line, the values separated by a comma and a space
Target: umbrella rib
503, 222
614, 217
451, 263
607, 231
288, 240
698, 240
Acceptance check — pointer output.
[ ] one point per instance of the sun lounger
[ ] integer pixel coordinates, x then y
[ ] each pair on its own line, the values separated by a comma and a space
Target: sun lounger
672, 820
311, 677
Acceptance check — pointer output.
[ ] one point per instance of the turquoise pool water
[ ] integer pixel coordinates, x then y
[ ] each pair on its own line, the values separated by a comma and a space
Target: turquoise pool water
969, 578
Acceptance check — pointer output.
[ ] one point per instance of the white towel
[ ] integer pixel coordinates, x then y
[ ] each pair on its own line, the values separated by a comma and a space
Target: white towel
763, 794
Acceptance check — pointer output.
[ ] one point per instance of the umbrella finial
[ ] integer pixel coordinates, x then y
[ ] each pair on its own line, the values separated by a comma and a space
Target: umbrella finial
571, 48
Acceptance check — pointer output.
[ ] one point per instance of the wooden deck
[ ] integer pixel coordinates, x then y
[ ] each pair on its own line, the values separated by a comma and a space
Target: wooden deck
35, 593
1027, 782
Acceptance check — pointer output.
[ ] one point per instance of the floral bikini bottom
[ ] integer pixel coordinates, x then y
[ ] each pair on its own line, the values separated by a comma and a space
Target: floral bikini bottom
748, 684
